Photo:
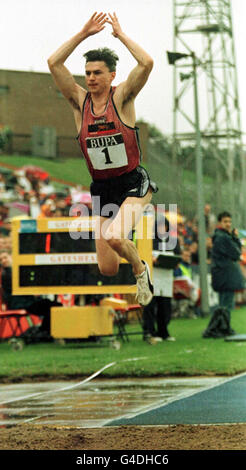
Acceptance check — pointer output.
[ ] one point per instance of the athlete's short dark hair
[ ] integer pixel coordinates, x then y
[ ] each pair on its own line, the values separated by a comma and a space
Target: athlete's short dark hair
222, 215
103, 54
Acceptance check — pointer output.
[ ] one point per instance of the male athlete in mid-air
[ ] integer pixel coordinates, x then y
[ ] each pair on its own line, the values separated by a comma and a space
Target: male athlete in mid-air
105, 120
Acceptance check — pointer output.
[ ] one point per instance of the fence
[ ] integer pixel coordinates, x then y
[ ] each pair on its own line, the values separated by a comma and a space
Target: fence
22, 144
177, 185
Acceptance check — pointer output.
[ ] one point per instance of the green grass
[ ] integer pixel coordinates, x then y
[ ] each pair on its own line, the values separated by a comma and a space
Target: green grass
73, 170
190, 355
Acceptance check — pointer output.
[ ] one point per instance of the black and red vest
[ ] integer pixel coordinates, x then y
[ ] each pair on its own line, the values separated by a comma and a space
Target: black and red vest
109, 146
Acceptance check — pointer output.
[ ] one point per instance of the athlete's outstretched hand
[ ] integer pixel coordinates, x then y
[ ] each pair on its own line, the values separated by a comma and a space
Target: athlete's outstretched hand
115, 25
95, 24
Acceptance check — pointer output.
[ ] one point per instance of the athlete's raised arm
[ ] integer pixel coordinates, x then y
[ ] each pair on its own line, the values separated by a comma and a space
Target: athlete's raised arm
139, 75
63, 78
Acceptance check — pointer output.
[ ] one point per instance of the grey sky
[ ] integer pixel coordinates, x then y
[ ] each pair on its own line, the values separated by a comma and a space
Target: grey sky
30, 30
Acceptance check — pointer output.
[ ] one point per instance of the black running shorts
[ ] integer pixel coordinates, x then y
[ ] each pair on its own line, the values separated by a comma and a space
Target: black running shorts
115, 190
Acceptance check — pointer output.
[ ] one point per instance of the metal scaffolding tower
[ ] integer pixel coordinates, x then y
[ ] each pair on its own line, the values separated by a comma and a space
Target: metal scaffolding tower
204, 27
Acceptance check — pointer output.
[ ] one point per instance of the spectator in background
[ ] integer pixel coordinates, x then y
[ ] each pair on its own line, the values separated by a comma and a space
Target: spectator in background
5, 225
184, 266
226, 252
6, 243
47, 209
62, 207
34, 205
186, 293
22, 181
195, 231
194, 255
157, 314
210, 219
194, 251
189, 232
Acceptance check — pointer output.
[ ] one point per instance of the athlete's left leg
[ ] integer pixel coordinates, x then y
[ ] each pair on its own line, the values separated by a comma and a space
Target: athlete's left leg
118, 230
116, 235
107, 258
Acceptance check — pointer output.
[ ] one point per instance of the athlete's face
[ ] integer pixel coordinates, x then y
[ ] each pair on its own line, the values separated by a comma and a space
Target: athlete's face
98, 77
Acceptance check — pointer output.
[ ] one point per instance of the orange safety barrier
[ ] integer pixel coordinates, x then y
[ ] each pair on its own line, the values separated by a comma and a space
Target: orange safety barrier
13, 323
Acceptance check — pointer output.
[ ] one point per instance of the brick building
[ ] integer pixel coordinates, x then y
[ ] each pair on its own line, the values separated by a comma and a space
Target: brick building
30, 99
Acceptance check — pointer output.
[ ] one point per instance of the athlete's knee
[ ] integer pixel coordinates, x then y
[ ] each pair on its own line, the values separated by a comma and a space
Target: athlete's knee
113, 236
108, 270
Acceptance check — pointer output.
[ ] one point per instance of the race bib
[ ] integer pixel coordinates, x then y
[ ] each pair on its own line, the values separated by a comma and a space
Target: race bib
107, 151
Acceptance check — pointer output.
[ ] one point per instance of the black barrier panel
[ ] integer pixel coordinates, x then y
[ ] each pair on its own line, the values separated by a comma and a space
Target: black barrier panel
56, 242
73, 275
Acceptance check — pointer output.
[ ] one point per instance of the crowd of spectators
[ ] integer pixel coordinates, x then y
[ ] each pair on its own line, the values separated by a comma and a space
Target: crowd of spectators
187, 230
29, 192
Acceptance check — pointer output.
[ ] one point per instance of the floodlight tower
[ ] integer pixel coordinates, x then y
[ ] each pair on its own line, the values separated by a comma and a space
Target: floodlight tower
204, 27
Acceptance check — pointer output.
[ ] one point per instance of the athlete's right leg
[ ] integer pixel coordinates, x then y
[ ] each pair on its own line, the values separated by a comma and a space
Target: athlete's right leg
107, 258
